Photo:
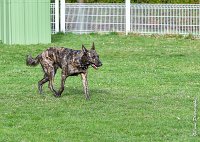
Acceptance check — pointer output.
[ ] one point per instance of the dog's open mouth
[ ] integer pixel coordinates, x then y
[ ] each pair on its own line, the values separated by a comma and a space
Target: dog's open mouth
94, 66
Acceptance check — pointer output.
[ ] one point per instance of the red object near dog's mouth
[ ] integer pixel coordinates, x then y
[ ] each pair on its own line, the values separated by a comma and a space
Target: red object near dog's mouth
94, 66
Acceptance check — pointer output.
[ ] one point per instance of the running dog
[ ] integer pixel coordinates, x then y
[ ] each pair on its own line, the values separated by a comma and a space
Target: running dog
72, 63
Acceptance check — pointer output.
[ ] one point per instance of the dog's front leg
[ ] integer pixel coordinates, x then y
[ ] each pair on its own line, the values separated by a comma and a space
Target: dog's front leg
85, 85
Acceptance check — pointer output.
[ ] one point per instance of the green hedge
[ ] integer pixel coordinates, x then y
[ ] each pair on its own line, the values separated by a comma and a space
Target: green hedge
140, 1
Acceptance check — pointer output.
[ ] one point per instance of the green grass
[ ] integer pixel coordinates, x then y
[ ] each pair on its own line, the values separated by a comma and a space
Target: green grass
143, 92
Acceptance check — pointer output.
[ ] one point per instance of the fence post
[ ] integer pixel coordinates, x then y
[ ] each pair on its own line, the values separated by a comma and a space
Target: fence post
62, 16
56, 16
128, 17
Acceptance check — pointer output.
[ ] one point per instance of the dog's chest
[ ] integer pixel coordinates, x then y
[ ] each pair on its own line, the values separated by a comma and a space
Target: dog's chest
74, 67
73, 70
72, 59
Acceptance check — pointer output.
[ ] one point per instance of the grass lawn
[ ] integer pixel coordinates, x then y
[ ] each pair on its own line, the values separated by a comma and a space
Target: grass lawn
143, 92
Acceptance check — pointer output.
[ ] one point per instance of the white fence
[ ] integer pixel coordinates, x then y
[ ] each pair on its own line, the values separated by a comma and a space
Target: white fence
144, 18
86, 18
165, 19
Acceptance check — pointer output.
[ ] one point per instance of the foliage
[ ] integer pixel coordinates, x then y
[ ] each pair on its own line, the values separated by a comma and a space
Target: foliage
141, 1
143, 92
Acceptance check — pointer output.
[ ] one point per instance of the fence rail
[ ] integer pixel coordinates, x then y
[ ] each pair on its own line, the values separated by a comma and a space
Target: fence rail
144, 18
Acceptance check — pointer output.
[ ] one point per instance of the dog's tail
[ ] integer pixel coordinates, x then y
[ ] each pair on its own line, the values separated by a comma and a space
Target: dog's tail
30, 61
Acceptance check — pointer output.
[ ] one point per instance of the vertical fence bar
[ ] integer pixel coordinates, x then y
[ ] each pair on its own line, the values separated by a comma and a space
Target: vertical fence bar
179, 15
62, 15
145, 17
128, 17
72, 14
182, 18
109, 18
57, 16
199, 21
116, 19
1, 19
196, 10
161, 20
88, 20
96, 15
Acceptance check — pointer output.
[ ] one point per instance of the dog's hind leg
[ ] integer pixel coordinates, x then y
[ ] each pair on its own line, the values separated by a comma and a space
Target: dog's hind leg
50, 73
63, 78
51, 80
41, 82
45, 78
85, 85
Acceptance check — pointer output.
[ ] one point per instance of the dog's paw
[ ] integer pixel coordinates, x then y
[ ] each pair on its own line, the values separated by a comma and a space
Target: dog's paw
57, 95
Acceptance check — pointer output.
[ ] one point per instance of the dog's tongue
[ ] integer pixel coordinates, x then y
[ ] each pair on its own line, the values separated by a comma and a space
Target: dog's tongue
94, 66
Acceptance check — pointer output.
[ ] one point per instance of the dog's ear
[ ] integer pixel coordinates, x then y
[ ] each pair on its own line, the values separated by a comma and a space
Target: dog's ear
84, 49
93, 47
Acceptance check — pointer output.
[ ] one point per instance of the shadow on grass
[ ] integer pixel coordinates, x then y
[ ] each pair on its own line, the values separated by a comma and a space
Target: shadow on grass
74, 91
71, 91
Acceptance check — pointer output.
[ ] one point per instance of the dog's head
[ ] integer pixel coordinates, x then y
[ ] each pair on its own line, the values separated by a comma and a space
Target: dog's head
91, 57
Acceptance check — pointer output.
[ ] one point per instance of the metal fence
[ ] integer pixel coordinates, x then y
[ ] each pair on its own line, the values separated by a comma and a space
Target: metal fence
84, 18
144, 18
165, 19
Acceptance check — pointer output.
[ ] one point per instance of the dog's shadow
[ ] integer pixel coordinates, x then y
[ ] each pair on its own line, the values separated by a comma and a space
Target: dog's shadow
73, 91
79, 91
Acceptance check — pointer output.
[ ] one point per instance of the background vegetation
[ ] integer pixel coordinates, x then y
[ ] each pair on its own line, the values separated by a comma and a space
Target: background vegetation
140, 1
143, 92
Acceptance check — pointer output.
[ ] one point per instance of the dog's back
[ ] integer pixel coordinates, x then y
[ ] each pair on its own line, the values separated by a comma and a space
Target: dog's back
52, 55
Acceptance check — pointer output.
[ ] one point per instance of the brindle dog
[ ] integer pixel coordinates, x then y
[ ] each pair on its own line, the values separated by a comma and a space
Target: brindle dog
72, 62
